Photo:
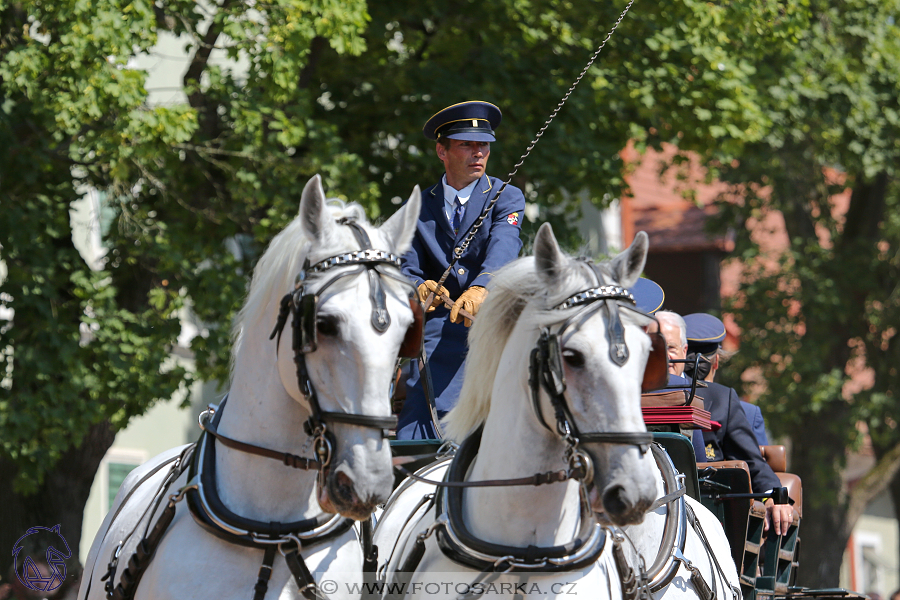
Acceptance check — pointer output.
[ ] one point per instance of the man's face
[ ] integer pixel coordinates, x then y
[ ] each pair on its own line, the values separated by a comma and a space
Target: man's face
674, 348
464, 161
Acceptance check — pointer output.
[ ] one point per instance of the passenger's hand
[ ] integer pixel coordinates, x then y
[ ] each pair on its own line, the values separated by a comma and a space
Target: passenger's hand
779, 515
427, 288
470, 300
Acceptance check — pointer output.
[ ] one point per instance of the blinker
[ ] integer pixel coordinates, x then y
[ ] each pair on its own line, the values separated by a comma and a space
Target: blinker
656, 372
305, 312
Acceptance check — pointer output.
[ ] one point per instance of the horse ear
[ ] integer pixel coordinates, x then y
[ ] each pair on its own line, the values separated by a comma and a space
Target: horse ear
401, 227
549, 259
629, 265
314, 218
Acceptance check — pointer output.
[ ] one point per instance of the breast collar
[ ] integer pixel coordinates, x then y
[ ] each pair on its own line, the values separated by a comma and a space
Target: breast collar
212, 515
461, 546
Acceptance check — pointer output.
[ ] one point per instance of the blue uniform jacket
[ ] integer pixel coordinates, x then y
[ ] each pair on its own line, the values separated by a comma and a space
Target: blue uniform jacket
754, 416
496, 243
735, 440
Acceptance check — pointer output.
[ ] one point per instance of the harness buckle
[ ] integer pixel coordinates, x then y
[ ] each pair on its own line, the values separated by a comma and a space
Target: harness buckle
289, 539
508, 560
578, 460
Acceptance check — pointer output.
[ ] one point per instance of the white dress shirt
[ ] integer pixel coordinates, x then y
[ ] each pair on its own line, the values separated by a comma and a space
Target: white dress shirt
451, 194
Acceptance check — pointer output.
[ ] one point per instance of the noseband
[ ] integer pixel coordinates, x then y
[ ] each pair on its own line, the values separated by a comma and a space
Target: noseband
546, 371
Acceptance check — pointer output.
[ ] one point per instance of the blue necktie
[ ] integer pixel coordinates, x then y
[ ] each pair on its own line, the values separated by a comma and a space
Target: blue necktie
458, 215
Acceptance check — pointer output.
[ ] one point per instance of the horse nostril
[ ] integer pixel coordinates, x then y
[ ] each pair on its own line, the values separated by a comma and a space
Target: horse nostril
616, 501
343, 488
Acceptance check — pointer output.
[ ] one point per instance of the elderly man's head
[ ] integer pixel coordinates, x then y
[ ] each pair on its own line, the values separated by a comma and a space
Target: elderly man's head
673, 329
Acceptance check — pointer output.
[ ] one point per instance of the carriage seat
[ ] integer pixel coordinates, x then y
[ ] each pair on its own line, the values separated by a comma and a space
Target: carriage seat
775, 456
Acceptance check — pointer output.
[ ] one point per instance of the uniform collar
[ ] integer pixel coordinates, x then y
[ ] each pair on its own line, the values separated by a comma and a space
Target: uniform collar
450, 192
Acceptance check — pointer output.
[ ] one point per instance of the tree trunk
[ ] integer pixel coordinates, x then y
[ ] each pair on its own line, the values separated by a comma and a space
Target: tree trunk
60, 499
817, 458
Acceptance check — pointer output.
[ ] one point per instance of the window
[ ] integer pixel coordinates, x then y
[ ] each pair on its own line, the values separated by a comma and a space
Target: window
116, 466
116, 473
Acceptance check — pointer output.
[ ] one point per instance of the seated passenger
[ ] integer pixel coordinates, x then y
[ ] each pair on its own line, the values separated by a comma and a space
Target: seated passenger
649, 298
735, 439
700, 326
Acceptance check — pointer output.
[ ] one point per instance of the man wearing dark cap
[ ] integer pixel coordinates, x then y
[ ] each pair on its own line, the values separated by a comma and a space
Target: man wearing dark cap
735, 439
462, 134
648, 296
708, 334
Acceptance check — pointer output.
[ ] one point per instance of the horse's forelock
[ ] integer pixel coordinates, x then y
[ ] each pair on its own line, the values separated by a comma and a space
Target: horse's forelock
277, 268
513, 289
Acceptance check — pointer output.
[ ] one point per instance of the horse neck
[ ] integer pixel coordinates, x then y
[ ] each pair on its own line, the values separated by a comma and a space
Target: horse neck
259, 411
515, 445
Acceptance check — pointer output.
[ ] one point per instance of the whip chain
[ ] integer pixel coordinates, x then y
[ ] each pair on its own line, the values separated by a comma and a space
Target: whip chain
457, 252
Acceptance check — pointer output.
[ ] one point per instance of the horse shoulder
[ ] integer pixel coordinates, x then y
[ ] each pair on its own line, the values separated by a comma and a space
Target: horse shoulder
135, 493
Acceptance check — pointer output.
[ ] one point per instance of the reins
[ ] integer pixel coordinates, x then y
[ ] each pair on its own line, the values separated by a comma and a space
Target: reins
286, 458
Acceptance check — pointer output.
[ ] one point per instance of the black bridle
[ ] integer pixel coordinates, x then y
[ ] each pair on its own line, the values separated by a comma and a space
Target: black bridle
303, 304
546, 371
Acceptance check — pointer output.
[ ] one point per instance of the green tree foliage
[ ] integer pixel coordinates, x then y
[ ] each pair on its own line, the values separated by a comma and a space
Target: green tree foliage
825, 309
89, 346
274, 93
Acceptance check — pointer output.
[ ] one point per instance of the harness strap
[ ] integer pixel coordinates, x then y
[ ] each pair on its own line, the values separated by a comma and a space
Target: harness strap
288, 459
142, 555
306, 584
362, 420
641, 439
634, 582
667, 498
265, 573
695, 523
404, 575
535, 480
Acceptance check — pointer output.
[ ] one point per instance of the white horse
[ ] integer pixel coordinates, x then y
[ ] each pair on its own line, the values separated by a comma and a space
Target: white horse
352, 311
680, 545
553, 381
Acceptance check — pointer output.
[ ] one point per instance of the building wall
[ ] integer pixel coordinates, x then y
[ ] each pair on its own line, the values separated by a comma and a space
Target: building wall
164, 426
871, 562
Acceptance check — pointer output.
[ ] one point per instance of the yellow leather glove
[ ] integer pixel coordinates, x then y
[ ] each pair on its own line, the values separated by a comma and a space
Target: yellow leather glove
428, 287
470, 300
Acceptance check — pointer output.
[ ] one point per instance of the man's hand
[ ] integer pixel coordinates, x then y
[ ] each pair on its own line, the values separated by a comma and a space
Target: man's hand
429, 287
780, 515
470, 300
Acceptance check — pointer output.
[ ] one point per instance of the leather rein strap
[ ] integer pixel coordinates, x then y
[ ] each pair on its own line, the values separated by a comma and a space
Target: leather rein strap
288, 459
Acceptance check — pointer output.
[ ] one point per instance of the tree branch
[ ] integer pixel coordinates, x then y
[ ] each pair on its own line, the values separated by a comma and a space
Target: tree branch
200, 60
316, 48
872, 484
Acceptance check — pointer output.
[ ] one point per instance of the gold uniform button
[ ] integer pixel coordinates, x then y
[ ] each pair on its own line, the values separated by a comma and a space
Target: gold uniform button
462, 271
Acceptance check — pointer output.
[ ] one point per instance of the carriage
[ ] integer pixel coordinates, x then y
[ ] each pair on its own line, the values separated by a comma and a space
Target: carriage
767, 565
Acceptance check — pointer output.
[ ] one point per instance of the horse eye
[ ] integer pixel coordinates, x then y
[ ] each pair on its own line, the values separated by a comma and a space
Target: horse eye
327, 325
573, 358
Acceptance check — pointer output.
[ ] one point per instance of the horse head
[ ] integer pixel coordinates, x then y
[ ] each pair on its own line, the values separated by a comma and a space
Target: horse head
604, 350
345, 315
571, 325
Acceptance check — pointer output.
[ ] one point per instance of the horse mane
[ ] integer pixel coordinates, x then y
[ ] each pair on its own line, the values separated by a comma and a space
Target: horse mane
277, 268
513, 289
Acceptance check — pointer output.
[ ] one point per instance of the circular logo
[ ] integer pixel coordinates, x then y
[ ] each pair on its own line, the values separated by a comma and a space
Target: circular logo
42, 574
